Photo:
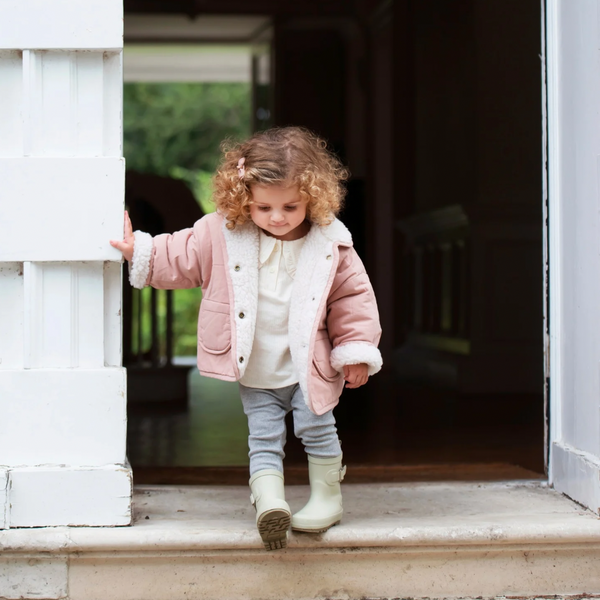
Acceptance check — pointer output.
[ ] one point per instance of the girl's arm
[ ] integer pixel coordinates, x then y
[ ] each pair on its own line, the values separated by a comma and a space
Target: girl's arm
126, 246
167, 261
356, 375
353, 319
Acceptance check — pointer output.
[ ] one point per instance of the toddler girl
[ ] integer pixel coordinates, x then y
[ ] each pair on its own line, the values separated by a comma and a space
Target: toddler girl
287, 310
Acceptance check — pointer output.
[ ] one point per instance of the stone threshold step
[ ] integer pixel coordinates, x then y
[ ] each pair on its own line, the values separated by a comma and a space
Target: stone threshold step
435, 540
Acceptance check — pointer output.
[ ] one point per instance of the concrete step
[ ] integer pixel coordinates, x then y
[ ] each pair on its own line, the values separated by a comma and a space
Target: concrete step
436, 540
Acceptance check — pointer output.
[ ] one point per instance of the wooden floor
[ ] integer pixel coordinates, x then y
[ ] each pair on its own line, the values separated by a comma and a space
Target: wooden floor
389, 432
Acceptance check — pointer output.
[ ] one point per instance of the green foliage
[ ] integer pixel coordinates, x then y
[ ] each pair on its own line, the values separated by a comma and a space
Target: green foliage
200, 182
175, 130
185, 308
185, 317
170, 125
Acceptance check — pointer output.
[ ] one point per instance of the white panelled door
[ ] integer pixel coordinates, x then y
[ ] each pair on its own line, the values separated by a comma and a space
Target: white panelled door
573, 68
62, 387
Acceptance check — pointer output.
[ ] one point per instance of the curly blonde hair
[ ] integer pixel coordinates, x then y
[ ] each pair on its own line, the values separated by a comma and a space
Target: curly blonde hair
284, 156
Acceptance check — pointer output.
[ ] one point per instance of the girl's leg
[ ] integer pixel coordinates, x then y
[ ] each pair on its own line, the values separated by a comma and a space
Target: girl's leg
317, 432
266, 410
325, 470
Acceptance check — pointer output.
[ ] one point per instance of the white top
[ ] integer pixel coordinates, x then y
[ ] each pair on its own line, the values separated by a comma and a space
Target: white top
270, 364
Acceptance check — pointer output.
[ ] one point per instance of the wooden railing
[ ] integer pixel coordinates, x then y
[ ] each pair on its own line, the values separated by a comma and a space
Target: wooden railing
143, 314
148, 348
437, 279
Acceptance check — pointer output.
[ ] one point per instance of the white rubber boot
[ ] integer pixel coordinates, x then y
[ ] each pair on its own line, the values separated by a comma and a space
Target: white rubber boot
272, 511
324, 507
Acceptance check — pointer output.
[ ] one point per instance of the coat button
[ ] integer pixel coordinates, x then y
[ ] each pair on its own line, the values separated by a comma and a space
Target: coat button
241, 315
236, 268
241, 359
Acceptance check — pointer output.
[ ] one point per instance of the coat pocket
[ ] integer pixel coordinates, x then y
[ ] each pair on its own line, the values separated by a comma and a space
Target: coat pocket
322, 358
214, 327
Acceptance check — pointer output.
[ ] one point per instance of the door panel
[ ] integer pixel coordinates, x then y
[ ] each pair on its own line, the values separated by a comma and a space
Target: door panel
69, 208
66, 417
64, 308
61, 24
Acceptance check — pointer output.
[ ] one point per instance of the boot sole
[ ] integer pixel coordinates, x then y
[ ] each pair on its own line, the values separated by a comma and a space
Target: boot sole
273, 526
320, 530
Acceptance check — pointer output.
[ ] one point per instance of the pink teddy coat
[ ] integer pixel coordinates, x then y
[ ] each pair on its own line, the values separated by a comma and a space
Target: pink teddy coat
333, 317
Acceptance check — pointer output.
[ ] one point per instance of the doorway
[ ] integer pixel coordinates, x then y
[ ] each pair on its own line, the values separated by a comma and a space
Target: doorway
436, 108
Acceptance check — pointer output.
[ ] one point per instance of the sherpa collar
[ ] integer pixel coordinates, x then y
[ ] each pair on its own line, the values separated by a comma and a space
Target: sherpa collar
336, 231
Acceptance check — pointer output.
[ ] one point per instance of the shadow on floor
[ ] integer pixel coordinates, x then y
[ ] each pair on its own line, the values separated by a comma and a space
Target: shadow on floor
389, 433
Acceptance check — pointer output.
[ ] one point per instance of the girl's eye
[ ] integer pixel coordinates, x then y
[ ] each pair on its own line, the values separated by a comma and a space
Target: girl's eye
263, 208
290, 208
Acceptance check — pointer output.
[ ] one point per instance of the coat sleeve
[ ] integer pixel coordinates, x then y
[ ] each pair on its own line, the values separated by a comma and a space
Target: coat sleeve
352, 316
169, 261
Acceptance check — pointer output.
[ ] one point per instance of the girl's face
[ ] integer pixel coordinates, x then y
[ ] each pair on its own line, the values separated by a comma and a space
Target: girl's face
279, 211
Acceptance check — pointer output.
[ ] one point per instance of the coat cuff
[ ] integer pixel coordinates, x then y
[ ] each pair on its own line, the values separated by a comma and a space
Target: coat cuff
140, 263
356, 353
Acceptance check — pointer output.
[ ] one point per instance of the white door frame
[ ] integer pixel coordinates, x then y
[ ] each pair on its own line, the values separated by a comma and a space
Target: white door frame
572, 29
62, 387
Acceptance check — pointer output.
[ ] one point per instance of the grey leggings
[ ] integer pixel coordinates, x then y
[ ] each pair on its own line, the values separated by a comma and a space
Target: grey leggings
266, 410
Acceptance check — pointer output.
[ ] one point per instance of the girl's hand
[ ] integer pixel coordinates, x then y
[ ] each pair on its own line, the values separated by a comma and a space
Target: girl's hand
356, 375
126, 246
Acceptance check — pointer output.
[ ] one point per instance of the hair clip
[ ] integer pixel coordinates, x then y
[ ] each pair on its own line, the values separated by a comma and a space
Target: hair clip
240, 167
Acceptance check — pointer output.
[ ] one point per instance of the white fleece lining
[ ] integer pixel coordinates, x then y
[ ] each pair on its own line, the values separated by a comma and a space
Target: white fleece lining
356, 353
140, 263
309, 293
242, 253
